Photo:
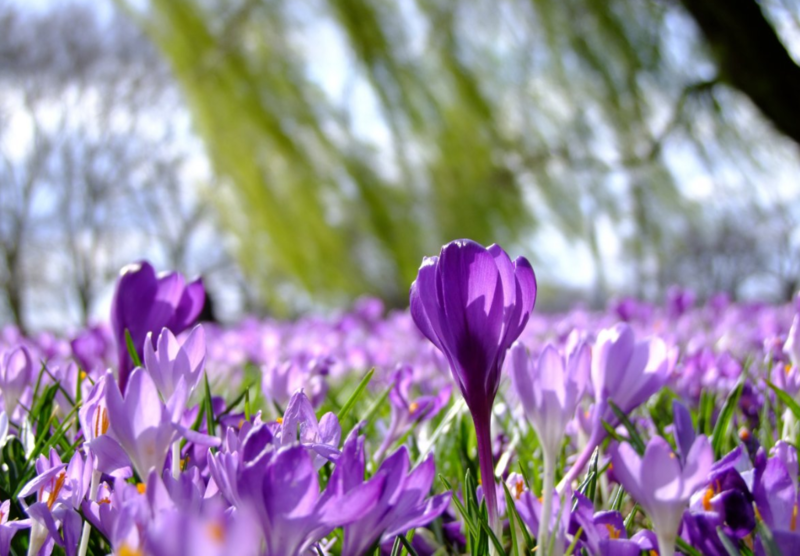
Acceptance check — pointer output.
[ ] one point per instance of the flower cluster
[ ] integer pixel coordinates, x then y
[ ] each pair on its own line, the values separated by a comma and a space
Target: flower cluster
467, 424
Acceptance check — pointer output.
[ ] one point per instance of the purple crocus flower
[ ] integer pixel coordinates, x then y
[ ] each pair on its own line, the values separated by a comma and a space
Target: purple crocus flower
402, 500
281, 489
661, 485
473, 303
407, 412
173, 360
16, 374
549, 392
144, 302
141, 423
300, 423
625, 372
604, 533
792, 346
9, 528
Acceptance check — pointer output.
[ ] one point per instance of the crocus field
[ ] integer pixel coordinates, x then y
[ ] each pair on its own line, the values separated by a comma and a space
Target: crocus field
467, 424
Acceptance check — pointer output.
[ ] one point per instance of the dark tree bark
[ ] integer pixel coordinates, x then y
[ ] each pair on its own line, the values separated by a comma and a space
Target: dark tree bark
752, 58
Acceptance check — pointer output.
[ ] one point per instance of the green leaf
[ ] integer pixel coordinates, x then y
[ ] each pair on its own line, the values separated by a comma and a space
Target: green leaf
767, 540
351, 401
686, 548
473, 529
633, 435
376, 405
514, 517
405, 542
725, 416
132, 349
787, 400
730, 548
210, 425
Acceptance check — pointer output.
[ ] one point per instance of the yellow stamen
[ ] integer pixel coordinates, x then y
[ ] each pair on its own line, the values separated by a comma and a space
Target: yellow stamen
672, 455
141, 488
787, 369
793, 521
279, 420
241, 423
128, 550
520, 487
51, 498
83, 375
613, 532
184, 463
104, 426
744, 434
105, 500
216, 532
707, 496
413, 407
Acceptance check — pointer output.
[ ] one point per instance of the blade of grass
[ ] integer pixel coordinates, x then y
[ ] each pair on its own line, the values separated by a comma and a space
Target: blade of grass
351, 401
132, 349
725, 416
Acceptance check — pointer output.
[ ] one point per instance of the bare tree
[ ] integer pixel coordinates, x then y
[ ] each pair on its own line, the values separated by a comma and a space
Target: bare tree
94, 145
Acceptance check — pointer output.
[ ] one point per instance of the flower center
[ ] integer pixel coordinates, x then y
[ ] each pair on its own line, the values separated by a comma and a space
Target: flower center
53, 496
141, 488
519, 487
127, 550
710, 493
100, 421
413, 407
613, 532
216, 532
787, 369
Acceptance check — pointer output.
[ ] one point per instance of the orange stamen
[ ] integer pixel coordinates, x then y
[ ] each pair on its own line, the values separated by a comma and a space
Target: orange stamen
413, 407
279, 420
216, 532
519, 487
141, 488
51, 498
793, 521
613, 532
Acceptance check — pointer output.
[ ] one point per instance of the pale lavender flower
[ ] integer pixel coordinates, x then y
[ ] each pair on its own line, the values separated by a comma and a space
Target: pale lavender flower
16, 374
174, 360
660, 484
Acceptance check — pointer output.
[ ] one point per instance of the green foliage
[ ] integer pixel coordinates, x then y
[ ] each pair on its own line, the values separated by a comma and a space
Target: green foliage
483, 123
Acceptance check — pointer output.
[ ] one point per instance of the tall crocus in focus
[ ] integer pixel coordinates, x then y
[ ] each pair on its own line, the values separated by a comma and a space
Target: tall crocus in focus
473, 303
144, 302
549, 391
659, 483
626, 372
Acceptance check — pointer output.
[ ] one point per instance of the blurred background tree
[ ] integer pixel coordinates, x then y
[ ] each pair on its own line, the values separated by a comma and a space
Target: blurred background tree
93, 168
355, 136
301, 153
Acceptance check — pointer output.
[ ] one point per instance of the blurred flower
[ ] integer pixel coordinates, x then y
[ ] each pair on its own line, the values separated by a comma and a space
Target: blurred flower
549, 392
472, 303
625, 372
16, 374
173, 360
281, 488
405, 412
140, 421
402, 500
9, 528
550, 389
144, 302
660, 484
